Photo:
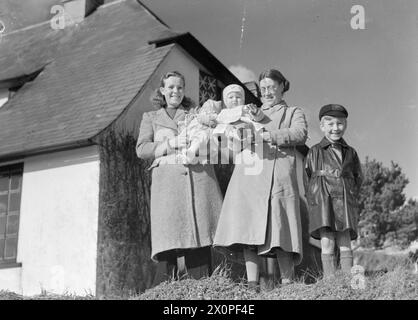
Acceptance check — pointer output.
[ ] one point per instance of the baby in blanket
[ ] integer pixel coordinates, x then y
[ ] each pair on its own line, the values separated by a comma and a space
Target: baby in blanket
198, 130
233, 122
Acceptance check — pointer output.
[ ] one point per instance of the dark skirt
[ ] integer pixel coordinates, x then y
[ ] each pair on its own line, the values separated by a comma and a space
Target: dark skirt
198, 264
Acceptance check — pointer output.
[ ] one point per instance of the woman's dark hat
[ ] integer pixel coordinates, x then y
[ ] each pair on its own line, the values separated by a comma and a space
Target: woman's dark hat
333, 110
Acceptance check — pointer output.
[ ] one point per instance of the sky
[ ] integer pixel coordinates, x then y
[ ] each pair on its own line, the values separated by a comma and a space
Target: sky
373, 72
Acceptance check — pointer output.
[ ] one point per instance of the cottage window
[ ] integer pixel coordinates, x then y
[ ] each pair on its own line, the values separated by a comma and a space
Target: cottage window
208, 87
10, 194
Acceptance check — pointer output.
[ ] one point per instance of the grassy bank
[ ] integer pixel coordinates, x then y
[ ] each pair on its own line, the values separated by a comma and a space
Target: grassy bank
387, 277
399, 283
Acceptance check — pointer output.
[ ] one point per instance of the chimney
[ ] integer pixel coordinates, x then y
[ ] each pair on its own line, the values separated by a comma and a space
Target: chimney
76, 10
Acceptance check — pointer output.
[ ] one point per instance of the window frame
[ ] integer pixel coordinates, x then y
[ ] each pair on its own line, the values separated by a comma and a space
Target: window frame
217, 93
10, 171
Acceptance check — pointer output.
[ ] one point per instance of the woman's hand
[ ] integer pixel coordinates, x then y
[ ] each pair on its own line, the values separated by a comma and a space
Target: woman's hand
252, 108
208, 120
255, 113
266, 136
204, 119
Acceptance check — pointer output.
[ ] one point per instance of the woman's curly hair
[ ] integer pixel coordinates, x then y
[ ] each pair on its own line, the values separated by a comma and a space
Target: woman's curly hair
158, 100
277, 76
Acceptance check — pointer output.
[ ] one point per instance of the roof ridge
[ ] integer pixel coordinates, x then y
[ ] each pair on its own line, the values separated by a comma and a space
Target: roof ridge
32, 26
146, 8
40, 24
110, 4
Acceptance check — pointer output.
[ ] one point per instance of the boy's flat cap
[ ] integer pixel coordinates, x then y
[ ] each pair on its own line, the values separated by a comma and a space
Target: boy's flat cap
333, 110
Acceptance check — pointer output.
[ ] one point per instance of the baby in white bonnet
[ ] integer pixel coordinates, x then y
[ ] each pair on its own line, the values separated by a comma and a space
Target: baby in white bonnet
233, 122
238, 119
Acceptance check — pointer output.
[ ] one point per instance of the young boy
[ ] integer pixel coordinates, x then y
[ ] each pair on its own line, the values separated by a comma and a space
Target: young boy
332, 179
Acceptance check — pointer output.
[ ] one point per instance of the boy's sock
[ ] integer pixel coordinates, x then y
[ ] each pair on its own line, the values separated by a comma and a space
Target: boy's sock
346, 260
328, 264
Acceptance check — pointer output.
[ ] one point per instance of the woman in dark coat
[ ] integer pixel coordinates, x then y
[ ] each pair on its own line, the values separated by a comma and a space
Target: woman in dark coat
185, 199
260, 214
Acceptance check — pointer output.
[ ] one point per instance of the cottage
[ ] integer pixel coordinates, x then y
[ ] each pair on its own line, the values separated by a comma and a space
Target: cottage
74, 198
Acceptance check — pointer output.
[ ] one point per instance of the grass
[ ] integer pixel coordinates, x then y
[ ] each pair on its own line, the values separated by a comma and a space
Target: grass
386, 278
376, 261
8, 295
398, 284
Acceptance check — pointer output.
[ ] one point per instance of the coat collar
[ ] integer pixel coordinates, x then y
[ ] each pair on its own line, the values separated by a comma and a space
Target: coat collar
276, 107
164, 119
325, 143
344, 150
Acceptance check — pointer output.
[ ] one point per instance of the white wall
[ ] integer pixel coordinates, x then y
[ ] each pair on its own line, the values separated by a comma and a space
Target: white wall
11, 279
57, 242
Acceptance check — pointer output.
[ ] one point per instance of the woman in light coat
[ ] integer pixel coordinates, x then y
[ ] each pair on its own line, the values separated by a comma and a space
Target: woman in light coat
260, 214
185, 199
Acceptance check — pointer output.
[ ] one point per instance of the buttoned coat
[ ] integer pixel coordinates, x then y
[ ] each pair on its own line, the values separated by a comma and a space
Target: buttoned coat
185, 199
261, 205
332, 187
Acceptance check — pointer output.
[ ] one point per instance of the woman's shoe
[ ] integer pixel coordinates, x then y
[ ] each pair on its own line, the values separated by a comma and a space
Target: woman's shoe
286, 281
253, 286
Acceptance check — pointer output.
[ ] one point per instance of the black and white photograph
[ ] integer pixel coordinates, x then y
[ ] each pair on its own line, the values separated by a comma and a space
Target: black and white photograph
208, 154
